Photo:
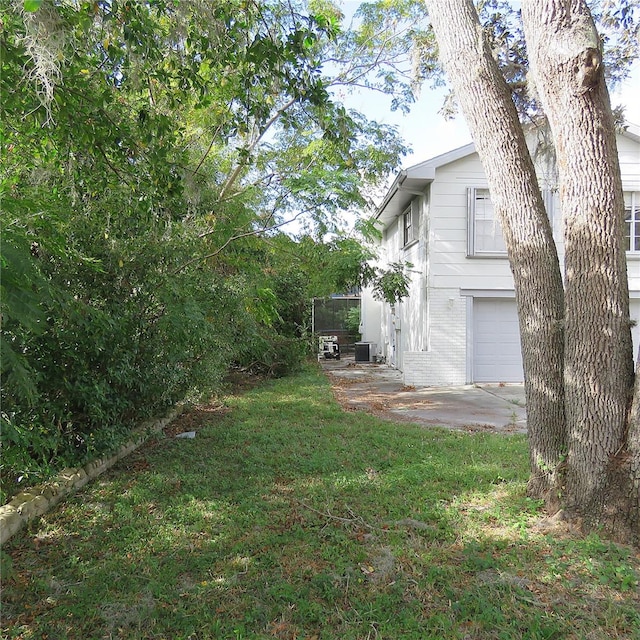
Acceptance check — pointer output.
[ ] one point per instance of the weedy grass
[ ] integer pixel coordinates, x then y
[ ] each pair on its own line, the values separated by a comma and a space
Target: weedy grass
287, 517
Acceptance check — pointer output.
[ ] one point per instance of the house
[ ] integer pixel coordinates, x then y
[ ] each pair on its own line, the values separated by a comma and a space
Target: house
459, 323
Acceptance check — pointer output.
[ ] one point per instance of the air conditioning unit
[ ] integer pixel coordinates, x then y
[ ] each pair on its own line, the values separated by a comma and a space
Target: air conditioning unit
365, 352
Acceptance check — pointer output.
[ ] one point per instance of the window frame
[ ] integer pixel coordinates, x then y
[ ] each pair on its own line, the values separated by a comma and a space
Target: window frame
410, 224
472, 250
632, 221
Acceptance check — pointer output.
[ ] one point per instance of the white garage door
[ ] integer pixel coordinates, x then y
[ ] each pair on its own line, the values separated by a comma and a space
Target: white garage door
496, 341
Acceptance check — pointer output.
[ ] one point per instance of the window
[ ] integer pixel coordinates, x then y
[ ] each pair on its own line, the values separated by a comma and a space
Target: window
407, 225
632, 221
410, 221
485, 233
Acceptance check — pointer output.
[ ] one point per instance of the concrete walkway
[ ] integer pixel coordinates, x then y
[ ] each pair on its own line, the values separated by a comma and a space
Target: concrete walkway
378, 389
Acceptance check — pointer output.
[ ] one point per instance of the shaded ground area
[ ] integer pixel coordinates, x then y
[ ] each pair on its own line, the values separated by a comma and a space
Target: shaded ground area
378, 389
282, 519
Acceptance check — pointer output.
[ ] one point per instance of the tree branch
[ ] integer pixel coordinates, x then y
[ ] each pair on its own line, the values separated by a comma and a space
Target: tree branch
236, 172
254, 232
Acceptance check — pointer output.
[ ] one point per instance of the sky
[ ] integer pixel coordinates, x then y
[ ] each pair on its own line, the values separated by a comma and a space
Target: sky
429, 134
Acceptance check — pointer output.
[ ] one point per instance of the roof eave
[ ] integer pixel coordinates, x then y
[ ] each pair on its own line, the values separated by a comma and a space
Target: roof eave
414, 181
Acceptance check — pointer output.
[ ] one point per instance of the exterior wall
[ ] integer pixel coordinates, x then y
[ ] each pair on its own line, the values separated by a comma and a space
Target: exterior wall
450, 266
403, 325
634, 313
452, 270
425, 336
390, 249
629, 152
412, 310
371, 319
444, 363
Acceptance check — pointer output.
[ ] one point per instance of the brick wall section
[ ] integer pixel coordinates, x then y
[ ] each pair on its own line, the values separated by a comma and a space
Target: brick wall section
445, 362
416, 369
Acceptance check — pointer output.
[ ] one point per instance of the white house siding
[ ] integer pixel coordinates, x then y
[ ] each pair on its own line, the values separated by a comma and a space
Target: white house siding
451, 323
413, 309
391, 347
450, 267
629, 154
634, 314
404, 324
444, 362
389, 253
633, 273
371, 319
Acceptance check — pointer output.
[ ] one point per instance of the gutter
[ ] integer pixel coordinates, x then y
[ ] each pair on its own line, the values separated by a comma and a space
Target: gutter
395, 187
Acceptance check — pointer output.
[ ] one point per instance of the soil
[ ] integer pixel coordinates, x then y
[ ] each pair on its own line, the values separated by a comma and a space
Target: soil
357, 395
373, 389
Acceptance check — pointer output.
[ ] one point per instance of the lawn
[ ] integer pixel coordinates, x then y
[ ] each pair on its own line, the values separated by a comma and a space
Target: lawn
287, 517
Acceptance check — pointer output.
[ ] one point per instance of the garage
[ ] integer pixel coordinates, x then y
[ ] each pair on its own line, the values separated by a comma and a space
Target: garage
496, 341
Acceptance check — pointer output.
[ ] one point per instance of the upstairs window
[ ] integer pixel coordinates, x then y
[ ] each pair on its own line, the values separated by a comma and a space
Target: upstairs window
410, 222
632, 221
485, 233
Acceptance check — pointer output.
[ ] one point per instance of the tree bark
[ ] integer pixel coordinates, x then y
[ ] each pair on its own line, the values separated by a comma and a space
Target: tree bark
566, 63
492, 118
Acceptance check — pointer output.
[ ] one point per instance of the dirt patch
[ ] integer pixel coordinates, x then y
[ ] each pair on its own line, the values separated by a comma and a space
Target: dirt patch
236, 381
380, 391
194, 419
363, 394
338, 382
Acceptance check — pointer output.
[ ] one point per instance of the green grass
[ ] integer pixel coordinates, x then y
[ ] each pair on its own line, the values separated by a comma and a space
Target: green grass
289, 518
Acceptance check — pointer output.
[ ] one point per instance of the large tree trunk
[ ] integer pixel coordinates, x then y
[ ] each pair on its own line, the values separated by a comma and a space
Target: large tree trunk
493, 121
627, 462
566, 63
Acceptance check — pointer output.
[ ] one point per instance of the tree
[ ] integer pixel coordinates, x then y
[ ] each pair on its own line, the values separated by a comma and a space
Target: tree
152, 151
566, 63
576, 350
485, 100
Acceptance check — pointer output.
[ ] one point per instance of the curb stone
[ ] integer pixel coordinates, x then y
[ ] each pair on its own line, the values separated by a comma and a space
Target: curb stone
36, 501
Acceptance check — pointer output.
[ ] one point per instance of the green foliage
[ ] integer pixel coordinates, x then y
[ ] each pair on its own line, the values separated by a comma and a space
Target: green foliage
32, 5
272, 355
336, 266
398, 35
392, 284
353, 321
151, 152
22, 290
293, 301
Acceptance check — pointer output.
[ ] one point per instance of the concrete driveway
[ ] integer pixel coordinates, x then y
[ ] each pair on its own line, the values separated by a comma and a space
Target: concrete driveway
378, 389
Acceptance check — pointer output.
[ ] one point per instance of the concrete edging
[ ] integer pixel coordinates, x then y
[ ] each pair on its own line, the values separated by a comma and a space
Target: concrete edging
36, 501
